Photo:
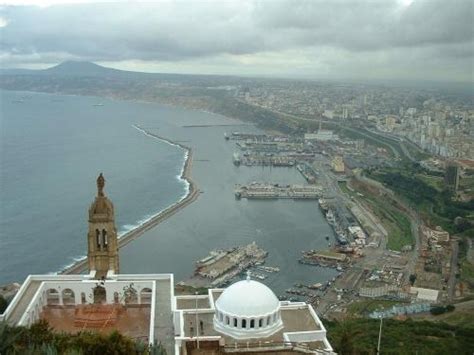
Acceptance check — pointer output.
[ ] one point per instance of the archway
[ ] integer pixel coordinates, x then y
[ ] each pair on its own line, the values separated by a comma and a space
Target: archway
68, 297
52, 296
100, 295
145, 295
130, 294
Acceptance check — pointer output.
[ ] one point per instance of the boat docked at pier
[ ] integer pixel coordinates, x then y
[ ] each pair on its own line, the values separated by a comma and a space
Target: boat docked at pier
276, 191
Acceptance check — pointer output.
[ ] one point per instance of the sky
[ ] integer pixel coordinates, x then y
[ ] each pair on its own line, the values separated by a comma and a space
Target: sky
334, 39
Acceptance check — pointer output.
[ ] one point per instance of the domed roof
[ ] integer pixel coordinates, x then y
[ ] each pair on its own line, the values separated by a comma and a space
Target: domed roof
247, 298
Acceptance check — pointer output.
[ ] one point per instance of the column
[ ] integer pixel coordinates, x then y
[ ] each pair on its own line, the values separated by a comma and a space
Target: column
77, 297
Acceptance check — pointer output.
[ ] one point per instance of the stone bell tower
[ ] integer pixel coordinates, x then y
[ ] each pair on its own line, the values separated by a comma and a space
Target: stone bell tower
102, 252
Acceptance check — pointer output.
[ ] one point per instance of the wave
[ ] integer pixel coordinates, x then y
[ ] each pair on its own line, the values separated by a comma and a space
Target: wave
74, 261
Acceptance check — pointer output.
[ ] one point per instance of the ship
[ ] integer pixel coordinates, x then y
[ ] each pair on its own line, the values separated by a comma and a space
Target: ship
330, 217
315, 286
323, 205
237, 160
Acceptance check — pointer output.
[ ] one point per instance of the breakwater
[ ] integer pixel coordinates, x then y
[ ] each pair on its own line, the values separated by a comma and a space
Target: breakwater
81, 265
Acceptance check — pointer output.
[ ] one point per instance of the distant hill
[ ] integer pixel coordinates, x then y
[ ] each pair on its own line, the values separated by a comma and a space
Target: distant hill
72, 68
69, 69
77, 68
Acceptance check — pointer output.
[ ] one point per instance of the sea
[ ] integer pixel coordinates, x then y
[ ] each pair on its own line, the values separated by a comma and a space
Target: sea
52, 148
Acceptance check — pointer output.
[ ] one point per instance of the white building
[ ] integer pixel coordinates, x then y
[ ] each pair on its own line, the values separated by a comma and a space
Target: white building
321, 135
247, 317
139, 306
328, 114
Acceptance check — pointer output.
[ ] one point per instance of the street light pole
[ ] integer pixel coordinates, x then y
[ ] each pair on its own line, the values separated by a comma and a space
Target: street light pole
380, 336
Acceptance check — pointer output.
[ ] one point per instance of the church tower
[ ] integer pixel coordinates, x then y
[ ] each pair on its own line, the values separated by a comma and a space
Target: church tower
102, 252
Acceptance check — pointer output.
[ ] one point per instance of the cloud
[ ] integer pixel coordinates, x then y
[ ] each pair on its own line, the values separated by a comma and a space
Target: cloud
244, 33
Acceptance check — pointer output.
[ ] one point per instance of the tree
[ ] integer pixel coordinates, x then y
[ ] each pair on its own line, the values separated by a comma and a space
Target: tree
3, 304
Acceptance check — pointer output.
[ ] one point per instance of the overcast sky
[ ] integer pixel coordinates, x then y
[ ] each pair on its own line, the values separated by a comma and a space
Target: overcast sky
339, 39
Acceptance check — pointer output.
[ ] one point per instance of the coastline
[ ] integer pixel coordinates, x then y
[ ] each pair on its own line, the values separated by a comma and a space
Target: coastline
191, 195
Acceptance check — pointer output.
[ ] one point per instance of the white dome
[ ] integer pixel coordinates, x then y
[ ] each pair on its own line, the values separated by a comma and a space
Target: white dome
247, 298
247, 309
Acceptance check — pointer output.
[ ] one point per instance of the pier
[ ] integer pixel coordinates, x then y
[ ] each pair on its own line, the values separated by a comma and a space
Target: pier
276, 191
220, 266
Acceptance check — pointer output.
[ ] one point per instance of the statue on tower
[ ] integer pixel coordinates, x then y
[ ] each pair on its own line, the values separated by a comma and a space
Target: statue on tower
100, 185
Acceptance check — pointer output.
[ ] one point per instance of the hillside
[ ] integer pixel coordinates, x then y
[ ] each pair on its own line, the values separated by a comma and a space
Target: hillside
359, 336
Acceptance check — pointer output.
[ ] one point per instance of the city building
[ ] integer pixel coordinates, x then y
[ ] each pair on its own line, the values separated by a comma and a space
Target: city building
345, 113
451, 177
246, 317
321, 135
328, 114
390, 122
337, 164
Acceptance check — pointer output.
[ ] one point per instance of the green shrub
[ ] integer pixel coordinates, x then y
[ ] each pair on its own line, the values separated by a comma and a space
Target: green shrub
3, 304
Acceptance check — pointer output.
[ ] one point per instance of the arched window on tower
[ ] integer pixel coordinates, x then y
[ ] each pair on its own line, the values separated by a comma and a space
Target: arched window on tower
252, 323
97, 238
244, 323
105, 239
235, 322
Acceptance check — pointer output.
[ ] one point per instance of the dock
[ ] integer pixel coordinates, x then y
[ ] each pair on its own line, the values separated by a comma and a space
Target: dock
276, 191
220, 266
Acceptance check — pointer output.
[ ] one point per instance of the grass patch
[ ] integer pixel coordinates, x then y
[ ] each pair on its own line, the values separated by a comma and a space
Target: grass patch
466, 183
437, 182
345, 189
395, 221
401, 232
458, 318
467, 271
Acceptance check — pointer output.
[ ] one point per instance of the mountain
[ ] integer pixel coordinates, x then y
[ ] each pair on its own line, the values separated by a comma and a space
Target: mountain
80, 68
72, 68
